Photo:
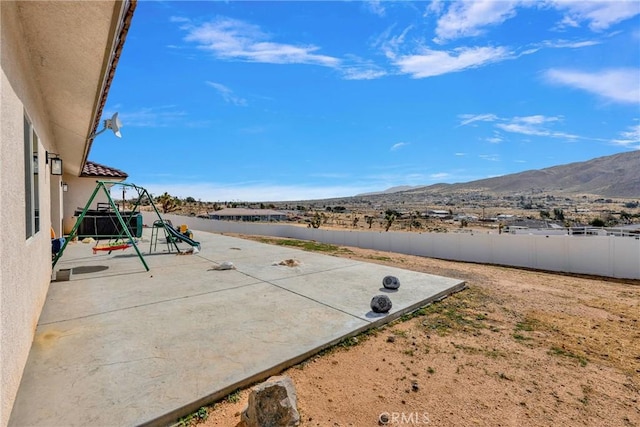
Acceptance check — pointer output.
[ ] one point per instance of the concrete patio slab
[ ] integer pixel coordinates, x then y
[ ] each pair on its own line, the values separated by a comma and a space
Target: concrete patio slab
119, 345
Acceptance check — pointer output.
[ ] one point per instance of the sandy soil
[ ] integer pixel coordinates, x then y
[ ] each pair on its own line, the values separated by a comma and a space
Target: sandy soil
516, 348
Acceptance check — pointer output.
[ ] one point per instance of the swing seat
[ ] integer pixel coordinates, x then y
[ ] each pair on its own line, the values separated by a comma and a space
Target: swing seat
112, 247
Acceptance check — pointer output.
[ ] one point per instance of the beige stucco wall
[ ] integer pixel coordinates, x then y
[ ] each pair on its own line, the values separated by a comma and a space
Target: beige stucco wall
25, 264
76, 198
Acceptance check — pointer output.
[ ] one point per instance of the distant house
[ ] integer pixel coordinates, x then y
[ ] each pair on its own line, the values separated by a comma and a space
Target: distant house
442, 214
243, 214
58, 59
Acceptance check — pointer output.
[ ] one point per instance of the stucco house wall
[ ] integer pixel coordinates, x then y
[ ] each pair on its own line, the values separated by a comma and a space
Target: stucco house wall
24, 278
57, 75
80, 189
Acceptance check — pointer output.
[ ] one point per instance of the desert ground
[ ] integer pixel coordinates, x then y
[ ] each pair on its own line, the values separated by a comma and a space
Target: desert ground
516, 348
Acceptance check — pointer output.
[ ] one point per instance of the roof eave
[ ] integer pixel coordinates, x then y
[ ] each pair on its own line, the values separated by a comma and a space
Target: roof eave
111, 61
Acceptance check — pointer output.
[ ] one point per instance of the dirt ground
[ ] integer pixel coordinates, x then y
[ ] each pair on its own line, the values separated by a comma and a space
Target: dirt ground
516, 348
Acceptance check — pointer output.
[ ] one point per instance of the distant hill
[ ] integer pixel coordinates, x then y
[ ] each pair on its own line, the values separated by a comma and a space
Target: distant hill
611, 176
388, 191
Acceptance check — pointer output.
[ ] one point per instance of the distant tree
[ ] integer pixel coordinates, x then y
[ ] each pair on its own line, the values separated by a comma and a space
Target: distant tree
558, 214
625, 216
597, 223
390, 216
631, 205
261, 205
316, 220
369, 220
355, 221
545, 214
190, 200
168, 203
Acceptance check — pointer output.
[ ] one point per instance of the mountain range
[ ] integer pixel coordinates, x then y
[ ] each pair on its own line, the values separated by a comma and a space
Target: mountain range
617, 175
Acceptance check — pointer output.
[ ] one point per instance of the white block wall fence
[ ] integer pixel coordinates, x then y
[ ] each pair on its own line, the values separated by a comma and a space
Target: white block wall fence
607, 256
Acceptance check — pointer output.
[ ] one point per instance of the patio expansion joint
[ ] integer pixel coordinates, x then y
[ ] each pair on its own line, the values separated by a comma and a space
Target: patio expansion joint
308, 297
150, 304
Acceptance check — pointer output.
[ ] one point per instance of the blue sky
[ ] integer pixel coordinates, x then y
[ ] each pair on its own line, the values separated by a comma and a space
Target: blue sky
266, 101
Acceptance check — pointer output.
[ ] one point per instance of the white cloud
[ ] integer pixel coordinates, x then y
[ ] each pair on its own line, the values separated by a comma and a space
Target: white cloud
233, 39
464, 19
490, 157
227, 94
562, 44
163, 116
356, 68
375, 7
353, 73
471, 18
398, 146
533, 125
460, 154
599, 15
619, 85
429, 63
440, 175
537, 119
470, 118
629, 138
391, 44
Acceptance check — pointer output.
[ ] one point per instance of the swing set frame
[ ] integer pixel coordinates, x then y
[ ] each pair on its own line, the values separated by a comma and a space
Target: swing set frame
103, 185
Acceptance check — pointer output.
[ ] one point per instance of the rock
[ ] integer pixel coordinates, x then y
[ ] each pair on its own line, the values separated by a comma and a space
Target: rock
273, 404
226, 265
391, 282
381, 304
289, 262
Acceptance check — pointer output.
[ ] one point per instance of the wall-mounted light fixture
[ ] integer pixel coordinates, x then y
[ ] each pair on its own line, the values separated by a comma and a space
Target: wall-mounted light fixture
56, 163
65, 186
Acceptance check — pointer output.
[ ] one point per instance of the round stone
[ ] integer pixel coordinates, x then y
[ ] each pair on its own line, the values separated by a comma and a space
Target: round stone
391, 282
380, 304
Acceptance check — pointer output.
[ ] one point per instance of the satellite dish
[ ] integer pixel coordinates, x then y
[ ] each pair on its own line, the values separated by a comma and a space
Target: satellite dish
114, 124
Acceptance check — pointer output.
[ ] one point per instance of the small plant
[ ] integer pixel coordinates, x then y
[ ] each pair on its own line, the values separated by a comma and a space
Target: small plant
520, 337
197, 417
233, 397
348, 342
431, 370
557, 351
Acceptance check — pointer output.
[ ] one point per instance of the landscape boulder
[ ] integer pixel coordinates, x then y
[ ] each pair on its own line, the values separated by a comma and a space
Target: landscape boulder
272, 404
391, 282
381, 304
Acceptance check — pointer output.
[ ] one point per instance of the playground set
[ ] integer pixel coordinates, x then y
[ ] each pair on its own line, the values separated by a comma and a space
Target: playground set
109, 222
